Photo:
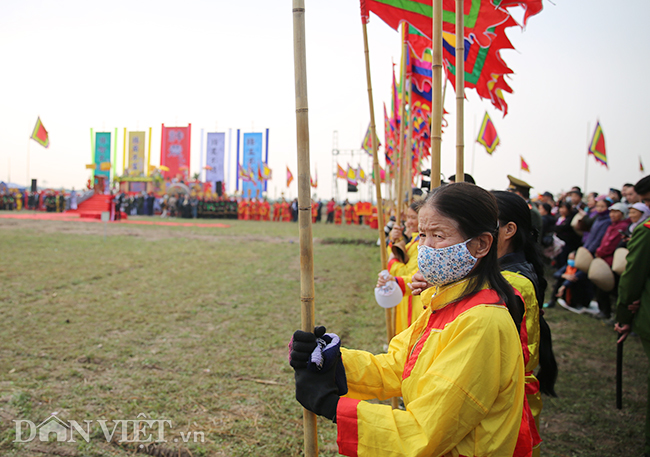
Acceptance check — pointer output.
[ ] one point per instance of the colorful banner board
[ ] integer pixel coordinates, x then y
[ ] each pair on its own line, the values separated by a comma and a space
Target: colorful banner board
214, 158
136, 153
175, 151
102, 153
252, 162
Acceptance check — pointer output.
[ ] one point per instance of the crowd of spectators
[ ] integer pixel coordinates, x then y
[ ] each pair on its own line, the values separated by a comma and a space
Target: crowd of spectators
577, 229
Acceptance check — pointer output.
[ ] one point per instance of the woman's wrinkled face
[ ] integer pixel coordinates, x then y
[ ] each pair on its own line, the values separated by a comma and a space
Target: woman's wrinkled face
635, 215
437, 231
411, 221
615, 216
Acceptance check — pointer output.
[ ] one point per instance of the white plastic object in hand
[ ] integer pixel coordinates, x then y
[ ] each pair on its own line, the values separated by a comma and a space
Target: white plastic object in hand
390, 294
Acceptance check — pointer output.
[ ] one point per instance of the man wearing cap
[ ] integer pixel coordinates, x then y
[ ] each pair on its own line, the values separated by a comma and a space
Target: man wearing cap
522, 188
633, 305
575, 194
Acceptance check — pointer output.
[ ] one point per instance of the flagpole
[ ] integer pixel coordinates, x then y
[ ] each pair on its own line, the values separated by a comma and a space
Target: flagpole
149, 155
92, 156
584, 189
307, 290
436, 91
460, 92
376, 171
201, 157
115, 156
124, 154
28, 147
409, 147
400, 168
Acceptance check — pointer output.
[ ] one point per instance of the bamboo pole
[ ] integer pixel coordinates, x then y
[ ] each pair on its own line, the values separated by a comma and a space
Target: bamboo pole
409, 148
304, 202
400, 167
390, 326
436, 68
460, 91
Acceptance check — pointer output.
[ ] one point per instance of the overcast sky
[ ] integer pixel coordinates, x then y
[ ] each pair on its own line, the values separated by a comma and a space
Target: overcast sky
223, 65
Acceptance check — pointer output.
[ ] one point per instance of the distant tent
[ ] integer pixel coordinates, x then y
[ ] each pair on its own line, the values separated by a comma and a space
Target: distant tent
5, 186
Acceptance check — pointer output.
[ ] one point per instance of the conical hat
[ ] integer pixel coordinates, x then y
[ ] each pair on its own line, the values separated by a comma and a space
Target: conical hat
601, 275
400, 252
583, 259
620, 261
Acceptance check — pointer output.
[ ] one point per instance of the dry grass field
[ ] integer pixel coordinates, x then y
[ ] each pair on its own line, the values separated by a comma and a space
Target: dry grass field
191, 324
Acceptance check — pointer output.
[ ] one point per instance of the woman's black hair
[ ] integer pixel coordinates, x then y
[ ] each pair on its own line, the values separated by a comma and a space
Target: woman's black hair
513, 208
475, 211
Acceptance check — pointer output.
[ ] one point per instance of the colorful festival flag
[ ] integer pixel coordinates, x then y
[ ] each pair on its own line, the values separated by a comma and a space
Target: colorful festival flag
314, 182
479, 15
524, 165
487, 135
361, 175
597, 146
266, 171
366, 145
289, 176
352, 176
640, 165
243, 174
340, 172
40, 134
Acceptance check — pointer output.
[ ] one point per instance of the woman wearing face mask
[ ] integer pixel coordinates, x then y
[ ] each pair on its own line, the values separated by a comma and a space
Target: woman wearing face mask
521, 264
459, 367
408, 310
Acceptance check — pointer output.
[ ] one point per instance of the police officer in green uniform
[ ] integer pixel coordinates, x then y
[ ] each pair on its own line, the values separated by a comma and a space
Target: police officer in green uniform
522, 188
633, 304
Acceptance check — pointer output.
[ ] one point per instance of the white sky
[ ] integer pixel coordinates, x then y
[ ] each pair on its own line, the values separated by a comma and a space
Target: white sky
224, 65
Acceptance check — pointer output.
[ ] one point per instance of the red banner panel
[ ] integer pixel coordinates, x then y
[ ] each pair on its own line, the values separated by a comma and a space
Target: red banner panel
175, 151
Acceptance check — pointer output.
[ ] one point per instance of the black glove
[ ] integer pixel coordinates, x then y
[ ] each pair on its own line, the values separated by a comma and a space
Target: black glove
302, 345
316, 391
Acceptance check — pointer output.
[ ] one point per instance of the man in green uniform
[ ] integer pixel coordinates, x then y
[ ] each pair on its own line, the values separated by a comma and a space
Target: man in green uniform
522, 188
633, 305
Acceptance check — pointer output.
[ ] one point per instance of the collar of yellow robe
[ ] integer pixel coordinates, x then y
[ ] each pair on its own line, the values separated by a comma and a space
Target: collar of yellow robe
435, 298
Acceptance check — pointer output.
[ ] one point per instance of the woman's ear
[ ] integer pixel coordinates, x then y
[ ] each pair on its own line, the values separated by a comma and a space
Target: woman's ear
481, 244
509, 231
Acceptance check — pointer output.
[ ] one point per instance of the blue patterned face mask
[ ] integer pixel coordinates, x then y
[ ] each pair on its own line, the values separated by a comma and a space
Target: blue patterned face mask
441, 266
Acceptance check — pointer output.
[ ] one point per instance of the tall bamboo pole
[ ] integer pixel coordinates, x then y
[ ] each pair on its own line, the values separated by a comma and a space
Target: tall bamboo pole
402, 145
304, 203
390, 327
408, 159
436, 68
460, 91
